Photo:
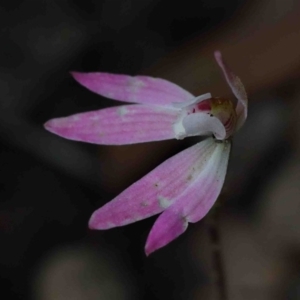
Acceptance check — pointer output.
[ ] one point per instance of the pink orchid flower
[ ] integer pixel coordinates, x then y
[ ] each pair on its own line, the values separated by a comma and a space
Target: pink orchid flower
184, 187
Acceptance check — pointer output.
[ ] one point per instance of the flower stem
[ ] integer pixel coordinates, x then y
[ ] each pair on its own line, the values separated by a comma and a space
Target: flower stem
219, 280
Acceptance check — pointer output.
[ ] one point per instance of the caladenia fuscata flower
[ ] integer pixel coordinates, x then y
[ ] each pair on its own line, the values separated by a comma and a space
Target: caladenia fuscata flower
183, 188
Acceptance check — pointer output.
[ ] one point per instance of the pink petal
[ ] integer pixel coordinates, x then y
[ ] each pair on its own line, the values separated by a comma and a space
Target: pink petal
206, 189
237, 88
156, 191
193, 101
168, 226
194, 202
138, 89
120, 125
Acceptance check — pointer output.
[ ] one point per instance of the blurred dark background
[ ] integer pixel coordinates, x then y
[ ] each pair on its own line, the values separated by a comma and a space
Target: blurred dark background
50, 186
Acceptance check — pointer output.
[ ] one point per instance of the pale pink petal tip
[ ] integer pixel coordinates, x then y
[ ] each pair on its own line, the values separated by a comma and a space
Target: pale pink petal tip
98, 223
218, 55
167, 227
91, 81
92, 223
79, 77
49, 126
57, 126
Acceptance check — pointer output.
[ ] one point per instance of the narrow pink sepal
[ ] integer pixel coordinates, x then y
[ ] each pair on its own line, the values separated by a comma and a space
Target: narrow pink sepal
195, 201
199, 198
156, 191
168, 226
237, 88
126, 124
137, 89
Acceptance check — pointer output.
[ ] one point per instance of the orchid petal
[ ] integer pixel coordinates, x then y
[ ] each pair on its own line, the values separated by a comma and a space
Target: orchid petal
168, 226
156, 191
120, 125
195, 202
195, 100
237, 88
137, 89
